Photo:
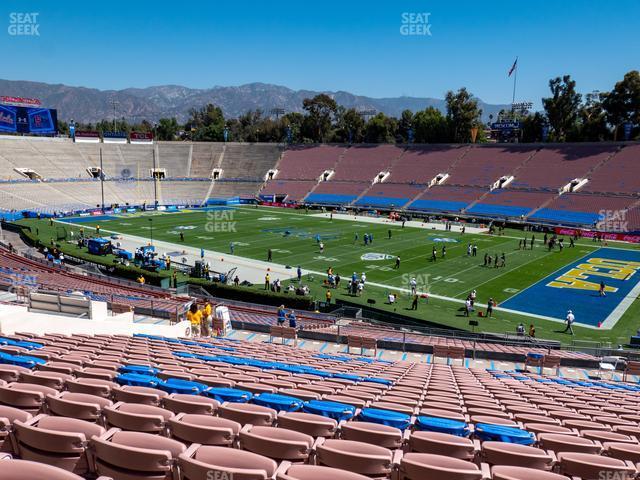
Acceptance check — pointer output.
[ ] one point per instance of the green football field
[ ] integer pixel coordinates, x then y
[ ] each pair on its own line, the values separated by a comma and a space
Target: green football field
292, 235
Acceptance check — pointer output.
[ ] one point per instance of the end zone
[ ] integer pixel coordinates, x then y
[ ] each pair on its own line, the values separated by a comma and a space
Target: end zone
576, 287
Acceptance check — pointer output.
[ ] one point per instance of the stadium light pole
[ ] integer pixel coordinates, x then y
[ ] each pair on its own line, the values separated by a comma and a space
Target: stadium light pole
101, 181
114, 104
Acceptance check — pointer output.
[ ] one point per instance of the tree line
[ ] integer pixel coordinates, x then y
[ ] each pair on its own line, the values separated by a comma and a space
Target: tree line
567, 116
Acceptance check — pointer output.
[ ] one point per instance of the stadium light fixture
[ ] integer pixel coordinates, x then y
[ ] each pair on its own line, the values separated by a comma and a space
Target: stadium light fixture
367, 112
277, 112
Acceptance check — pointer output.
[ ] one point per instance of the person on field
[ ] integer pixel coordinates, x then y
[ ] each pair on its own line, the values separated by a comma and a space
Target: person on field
414, 302
490, 305
569, 321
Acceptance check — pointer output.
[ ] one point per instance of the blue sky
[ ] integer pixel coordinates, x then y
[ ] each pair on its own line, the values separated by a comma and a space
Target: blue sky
350, 45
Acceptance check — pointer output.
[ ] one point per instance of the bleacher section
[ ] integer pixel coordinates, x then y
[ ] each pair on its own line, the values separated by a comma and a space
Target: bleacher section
555, 166
471, 171
174, 158
295, 190
483, 166
420, 164
362, 163
249, 161
141, 406
505, 202
445, 198
388, 195
205, 157
337, 193
619, 174
308, 162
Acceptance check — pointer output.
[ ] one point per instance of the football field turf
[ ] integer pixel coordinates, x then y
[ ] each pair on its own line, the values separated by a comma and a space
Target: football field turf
293, 237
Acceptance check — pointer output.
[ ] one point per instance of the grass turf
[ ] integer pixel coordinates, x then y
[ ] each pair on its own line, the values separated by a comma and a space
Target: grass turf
291, 234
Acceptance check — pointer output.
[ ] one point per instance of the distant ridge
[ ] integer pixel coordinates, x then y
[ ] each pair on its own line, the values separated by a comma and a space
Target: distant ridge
151, 103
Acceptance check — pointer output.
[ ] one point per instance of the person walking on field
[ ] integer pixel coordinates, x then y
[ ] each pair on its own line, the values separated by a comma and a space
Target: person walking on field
570, 319
269, 255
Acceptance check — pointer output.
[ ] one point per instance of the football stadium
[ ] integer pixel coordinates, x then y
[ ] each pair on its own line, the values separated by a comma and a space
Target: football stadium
260, 283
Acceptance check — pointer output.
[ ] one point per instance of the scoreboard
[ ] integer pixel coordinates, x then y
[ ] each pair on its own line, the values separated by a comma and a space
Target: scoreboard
40, 121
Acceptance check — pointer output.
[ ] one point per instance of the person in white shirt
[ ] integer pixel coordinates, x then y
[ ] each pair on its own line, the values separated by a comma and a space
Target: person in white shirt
414, 284
570, 319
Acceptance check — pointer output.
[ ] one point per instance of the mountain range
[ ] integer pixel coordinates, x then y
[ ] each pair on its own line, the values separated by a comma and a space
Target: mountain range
135, 104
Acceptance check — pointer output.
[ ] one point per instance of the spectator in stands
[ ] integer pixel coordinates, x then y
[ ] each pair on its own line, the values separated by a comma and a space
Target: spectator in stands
194, 317
569, 321
292, 319
141, 280
207, 320
281, 315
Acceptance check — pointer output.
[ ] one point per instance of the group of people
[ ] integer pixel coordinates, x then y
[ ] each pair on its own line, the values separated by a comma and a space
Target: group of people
495, 260
520, 330
201, 320
551, 243
356, 285
283, 316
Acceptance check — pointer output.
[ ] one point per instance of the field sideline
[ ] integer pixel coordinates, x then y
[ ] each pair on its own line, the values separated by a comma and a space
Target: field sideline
292, 237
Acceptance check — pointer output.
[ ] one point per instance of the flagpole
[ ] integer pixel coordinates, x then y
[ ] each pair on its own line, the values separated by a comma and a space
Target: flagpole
515, 78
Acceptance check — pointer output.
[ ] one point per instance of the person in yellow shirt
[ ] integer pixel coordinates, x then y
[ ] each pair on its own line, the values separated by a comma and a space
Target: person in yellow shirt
194, 316
141, 279
206, 320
